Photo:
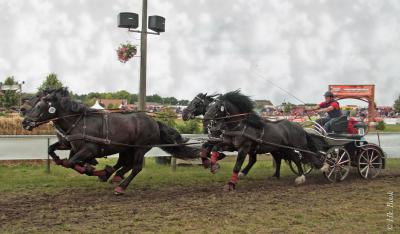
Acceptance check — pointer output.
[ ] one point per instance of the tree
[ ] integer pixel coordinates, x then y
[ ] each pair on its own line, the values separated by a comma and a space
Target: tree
396, 105
9, 98
170, 100
287, 107
154, 98
51, 82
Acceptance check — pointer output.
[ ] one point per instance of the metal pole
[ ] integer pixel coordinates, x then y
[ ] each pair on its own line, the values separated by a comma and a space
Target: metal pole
143, 58
48, 156
173, 163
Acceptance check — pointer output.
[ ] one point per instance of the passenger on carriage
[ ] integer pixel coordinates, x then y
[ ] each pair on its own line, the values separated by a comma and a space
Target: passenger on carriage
354, 125
331, 107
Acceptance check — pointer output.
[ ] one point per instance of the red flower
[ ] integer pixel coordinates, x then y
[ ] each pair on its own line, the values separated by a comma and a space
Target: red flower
126, 52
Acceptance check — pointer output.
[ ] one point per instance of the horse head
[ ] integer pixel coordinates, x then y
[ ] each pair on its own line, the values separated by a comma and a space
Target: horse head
42, 107
197, 106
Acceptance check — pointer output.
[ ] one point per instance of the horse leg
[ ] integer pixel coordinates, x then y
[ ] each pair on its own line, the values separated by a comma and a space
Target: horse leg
242, 152
204, 154
278, 159
252, 161
83, 155
51, 151
125, 161
301, 179
108, 170
136, 168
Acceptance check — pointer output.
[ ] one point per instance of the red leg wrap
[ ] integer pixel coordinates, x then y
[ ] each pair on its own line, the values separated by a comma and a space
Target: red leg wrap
234, 178
214, 157
99, 173
80, 169
65, 163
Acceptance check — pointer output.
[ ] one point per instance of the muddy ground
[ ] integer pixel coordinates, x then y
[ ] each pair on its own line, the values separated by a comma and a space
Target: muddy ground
261, 205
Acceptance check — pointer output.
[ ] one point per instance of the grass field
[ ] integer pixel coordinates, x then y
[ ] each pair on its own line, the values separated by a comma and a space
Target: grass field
191, 200
392, 128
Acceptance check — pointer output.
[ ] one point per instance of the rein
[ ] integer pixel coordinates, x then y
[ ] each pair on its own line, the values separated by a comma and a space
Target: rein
228, 117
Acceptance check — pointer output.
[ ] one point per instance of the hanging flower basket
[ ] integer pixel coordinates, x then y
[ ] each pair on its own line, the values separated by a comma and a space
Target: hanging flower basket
126, 52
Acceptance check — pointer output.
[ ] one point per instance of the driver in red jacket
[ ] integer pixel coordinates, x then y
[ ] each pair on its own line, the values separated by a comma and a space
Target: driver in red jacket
331, 107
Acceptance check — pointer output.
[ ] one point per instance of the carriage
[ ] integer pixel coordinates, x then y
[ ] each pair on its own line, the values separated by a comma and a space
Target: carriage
342, 151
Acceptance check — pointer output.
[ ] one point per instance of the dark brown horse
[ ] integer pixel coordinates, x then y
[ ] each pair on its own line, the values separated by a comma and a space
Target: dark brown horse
92, 134
247, 131
63, 144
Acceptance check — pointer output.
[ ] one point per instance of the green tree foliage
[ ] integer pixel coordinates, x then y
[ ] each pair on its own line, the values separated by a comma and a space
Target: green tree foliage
9, 98
167, 116
184, 102
111, 106
193, 126
287, 107
170, 101
154, 98
380, 126
51, 81
396, 105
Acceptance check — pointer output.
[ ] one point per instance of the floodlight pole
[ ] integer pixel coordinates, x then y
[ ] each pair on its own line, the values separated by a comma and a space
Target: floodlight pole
143, 58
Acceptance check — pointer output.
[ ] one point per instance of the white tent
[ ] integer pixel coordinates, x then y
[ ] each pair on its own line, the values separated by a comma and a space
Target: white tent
97, 106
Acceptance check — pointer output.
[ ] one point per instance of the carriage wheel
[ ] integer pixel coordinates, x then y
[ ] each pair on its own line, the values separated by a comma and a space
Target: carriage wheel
370, 163
339, 164
307, 168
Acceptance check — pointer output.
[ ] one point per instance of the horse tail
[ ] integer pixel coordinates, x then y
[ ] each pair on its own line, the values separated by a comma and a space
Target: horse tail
313, 146
170, 135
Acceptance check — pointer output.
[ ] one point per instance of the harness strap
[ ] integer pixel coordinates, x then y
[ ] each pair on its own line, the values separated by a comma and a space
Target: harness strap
78, 137
260, 141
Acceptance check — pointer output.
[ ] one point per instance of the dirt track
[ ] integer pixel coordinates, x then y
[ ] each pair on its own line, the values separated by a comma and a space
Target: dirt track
258, 206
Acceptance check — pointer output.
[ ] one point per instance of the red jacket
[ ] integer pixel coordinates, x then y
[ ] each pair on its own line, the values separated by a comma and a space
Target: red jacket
350, 126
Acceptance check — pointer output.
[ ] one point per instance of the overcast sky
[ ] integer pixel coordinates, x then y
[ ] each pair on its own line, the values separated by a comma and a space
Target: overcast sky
209, 46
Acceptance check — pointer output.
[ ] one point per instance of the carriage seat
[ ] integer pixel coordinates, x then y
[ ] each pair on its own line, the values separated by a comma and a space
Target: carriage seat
339, 125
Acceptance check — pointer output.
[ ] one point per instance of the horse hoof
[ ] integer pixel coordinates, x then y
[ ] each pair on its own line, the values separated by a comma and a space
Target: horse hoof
300, 180
325, 167
241, 175
119, 190
230, 187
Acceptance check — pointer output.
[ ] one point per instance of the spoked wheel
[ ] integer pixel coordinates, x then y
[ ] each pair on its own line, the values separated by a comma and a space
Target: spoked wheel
339, 164
370, 162
307, 168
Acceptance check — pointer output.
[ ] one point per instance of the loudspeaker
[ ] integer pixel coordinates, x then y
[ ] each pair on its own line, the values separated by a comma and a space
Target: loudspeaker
128, 20
157, 23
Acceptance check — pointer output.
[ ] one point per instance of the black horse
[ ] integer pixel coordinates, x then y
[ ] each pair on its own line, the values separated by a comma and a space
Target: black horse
198, 106
63, 144
92, 133
233, 113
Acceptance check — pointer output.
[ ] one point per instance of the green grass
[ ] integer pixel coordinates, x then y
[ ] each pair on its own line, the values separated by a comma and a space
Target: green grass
35, 176
392, 128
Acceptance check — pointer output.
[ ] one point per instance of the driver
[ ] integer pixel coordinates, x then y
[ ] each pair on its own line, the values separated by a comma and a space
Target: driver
331, 107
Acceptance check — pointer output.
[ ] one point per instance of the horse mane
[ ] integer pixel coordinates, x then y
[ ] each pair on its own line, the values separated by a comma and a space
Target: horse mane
74, 106
245, 105
66, 101
241, 101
